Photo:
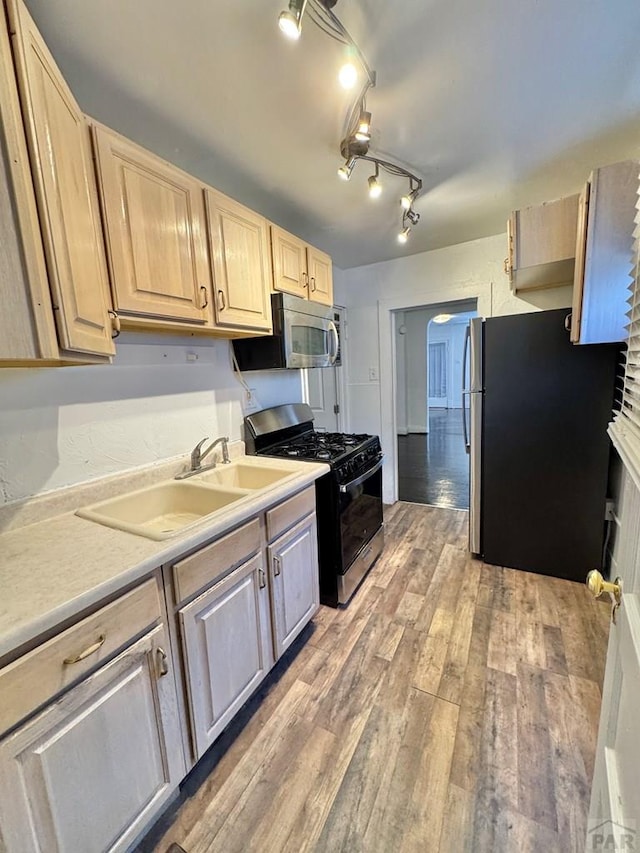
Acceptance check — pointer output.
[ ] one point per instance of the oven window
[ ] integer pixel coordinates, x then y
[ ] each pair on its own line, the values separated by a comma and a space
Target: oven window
309, 340
360, 516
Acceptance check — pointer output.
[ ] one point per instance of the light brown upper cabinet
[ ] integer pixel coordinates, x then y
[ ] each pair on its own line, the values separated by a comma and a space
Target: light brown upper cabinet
69, 221
320, 276
604, 250
239, 241
542, 244
300, 269
154, 221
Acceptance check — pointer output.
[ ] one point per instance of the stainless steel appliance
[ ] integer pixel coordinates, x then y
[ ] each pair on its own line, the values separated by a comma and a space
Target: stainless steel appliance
304, 335
348, 498
536, 410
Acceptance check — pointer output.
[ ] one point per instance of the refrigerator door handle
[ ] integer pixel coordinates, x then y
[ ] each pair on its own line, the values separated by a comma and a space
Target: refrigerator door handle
465, 353
467, 444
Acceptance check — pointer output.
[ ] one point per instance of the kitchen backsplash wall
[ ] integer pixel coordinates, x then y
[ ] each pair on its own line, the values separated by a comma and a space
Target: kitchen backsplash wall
63, 426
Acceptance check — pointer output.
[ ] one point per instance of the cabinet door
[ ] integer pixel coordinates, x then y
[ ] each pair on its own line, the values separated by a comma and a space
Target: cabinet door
295, 581
320, 276
239, 241
289, 263
155, 226
89, 772
225, 635
604, 256
60, 151
543, 244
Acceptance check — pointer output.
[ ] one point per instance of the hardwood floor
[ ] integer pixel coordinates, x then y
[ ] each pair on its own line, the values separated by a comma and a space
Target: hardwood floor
434, 468
452, 706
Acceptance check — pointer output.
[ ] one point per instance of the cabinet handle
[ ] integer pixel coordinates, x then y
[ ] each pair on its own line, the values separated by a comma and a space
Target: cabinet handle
313, 284
305, 279
115, 323
276, 566
163, 666
222, 304
567, 322
88, 651
205, 294
507, 267
262, 581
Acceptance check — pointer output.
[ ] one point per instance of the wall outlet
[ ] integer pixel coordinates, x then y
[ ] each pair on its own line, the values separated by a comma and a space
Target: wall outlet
373, 374
250, 403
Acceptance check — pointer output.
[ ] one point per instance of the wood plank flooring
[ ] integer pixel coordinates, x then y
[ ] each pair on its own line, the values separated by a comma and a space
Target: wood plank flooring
452, 706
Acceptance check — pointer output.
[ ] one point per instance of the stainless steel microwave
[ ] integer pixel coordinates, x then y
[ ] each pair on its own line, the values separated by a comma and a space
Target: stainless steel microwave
304, 335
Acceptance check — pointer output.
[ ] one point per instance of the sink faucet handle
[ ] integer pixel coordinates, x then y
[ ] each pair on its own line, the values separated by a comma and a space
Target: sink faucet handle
196, 454
225, 449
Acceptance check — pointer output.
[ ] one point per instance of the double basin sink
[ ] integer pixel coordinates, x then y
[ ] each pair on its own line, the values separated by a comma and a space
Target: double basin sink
171, 507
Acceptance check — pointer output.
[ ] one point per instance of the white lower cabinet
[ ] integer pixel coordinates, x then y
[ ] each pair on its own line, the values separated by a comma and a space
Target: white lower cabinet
226, 635
293, 561
88, 773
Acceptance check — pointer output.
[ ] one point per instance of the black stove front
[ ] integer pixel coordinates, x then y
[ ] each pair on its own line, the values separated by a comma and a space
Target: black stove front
348, 498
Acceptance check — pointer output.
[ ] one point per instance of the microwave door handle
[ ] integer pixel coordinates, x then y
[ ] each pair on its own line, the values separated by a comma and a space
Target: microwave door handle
333, 355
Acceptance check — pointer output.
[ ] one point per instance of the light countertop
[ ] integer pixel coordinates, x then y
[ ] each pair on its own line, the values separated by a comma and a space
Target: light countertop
55, 568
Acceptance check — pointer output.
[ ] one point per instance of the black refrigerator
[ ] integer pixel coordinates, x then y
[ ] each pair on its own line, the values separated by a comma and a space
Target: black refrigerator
536, 414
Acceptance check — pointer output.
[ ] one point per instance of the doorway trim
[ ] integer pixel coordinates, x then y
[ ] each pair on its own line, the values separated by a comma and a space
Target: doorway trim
340, 373
387, 349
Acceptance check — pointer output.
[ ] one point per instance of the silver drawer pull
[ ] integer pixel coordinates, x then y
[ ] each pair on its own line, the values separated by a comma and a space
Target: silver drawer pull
262, 582
163, 666
276, 566
88, 651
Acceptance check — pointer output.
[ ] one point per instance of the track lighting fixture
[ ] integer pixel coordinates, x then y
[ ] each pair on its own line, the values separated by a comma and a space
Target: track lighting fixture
403, 236
407, 200
357, 128
348, 75
375, 187
290, 22
345, 170
363, 131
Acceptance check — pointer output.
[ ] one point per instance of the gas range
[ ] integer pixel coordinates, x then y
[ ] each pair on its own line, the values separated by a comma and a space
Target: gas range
348, 497
345, 453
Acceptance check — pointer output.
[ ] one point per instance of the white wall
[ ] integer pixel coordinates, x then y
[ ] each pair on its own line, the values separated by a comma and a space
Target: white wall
60, 426
453, 334
371, 293
401, 373
417, 323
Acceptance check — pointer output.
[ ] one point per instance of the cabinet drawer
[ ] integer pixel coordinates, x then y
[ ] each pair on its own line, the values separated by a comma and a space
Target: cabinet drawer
202, 568
34, 678
281, 517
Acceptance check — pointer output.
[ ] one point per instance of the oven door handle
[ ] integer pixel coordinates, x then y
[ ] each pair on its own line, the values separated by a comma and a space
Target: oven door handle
346, 486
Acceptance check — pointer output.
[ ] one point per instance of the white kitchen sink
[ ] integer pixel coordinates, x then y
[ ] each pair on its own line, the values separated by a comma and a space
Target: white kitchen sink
242, 475
161, 511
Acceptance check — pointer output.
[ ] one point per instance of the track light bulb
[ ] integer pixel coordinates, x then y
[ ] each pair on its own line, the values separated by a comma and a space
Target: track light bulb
348, 75
403, 236
290, 22
375, 187
289, 25
363, 133
407, 200
345, 170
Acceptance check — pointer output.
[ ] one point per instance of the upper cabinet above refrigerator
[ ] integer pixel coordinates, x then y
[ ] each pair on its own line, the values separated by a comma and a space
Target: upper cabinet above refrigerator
604, 251
542, 245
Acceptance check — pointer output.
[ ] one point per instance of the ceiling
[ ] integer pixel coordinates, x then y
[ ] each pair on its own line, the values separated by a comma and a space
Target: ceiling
495, 104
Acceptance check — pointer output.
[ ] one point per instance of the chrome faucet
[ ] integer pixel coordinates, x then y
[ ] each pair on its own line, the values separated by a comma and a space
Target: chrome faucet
198, 455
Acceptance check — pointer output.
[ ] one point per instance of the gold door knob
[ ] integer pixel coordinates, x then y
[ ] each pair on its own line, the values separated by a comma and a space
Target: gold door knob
597, 586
